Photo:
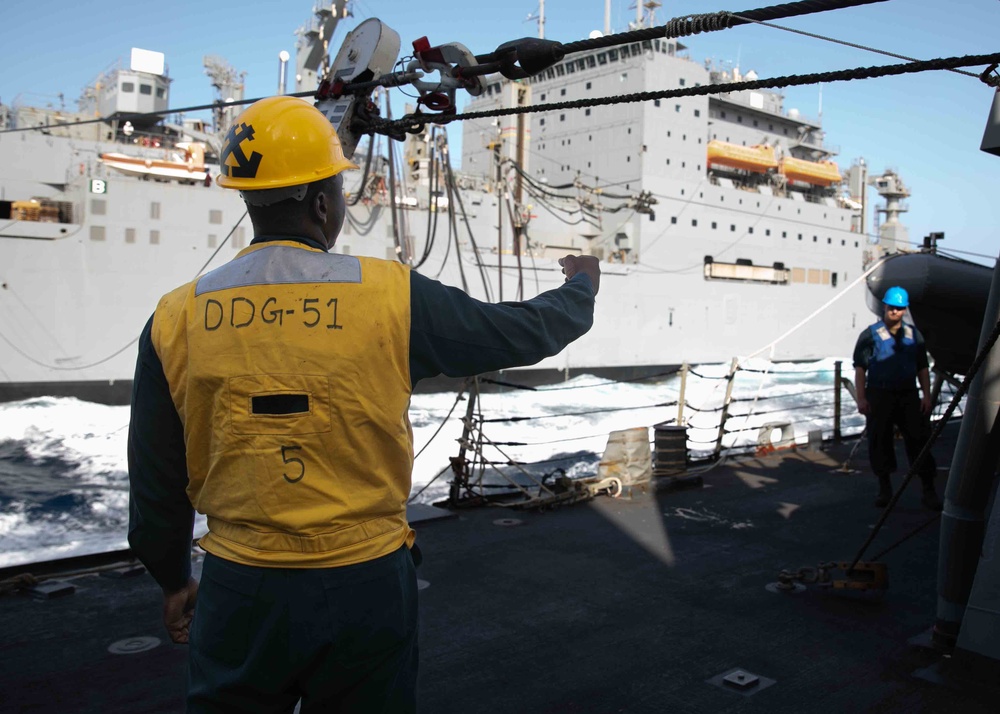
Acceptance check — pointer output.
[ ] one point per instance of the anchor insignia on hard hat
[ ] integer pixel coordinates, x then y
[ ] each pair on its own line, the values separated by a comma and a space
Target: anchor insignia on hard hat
245, 167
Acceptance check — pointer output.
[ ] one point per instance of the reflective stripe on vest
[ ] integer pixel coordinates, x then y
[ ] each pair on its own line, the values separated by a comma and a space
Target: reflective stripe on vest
894, 363
289, 368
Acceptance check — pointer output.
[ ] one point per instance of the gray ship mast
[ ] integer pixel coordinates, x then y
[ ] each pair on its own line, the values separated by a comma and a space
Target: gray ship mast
229, 87
312, 47
893, 236
642, 19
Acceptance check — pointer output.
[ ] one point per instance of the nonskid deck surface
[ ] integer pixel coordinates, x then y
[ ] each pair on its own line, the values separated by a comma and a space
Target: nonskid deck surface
609, 606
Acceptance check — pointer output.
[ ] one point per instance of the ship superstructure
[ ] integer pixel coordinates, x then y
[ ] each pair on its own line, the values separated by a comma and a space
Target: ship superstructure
719, 222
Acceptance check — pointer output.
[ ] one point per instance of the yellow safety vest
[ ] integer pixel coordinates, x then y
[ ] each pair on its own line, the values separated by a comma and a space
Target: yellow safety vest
289, 368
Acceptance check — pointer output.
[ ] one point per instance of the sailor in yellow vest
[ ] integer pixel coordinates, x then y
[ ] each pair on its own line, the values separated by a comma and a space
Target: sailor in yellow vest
271, 395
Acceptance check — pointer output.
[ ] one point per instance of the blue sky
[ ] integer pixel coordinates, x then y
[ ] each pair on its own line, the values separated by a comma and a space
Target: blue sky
927, 126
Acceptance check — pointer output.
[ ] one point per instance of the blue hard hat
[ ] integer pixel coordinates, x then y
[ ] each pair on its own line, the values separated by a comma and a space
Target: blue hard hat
896, 297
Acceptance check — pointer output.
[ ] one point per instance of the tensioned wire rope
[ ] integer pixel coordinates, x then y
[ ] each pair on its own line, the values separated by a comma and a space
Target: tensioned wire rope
414, 122
677, 27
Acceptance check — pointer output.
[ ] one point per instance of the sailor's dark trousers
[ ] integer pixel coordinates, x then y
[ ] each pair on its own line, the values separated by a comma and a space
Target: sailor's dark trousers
897, 407
341, 639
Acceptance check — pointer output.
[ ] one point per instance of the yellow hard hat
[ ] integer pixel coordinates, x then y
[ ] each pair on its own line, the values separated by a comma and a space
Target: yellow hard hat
278, 142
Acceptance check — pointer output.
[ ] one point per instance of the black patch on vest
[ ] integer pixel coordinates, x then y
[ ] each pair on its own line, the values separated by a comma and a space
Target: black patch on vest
280, 404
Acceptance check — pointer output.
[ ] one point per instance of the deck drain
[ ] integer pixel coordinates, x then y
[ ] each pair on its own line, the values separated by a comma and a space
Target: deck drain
133, 645
507, 522
741, 681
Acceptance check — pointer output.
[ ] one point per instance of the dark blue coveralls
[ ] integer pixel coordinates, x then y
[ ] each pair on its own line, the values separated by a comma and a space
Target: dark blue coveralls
891, 368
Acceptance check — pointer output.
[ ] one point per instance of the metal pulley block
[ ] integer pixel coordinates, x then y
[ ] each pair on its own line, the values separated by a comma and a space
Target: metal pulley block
369, 51
455, 64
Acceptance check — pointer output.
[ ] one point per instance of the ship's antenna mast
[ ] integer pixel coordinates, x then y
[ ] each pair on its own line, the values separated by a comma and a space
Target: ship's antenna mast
607, 17
541, 19
229, 87
640, 5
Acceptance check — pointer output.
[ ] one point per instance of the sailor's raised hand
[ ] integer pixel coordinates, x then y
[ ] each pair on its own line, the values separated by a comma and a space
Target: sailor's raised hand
586, 264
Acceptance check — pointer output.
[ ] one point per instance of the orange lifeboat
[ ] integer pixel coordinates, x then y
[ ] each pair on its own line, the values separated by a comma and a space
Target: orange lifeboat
758, 159
818, 173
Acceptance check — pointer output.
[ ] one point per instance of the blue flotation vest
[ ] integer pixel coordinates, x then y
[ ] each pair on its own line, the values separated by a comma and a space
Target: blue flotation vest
894, 360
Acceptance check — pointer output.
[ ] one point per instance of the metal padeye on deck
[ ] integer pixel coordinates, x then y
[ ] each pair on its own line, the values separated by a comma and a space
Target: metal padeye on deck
369, 51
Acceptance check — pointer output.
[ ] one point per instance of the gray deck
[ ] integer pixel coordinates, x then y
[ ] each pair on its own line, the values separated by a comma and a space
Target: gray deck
608, 606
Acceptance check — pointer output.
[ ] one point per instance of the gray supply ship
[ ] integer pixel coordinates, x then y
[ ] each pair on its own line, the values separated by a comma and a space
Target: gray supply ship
721, 221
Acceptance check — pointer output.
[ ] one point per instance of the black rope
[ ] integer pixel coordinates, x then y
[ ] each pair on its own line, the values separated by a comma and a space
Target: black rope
566, 414
413, 122
735, 400
515, 385
704, 376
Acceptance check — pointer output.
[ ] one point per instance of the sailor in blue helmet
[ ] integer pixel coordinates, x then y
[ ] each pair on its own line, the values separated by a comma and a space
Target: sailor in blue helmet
889, 358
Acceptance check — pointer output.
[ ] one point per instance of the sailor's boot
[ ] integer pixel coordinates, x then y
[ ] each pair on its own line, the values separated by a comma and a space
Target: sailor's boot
884, 491
930, 498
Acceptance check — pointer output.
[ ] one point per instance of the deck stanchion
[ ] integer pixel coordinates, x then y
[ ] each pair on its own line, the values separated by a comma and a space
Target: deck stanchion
680, 397
837, 367
725, 406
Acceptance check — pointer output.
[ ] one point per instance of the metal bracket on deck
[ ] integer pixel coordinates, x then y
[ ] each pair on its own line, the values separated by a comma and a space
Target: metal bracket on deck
863, 577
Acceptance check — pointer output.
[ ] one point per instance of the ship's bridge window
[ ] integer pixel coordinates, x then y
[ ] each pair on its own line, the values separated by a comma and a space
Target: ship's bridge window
160, 93
128, 87
570, 67
560, 72
146, 89
602, 58
591, 62
613, 55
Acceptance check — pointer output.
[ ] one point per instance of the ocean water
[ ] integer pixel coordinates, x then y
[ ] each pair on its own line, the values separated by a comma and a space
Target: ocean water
63, 470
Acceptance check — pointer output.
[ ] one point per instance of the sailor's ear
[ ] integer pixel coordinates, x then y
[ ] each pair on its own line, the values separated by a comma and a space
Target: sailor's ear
319, 207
